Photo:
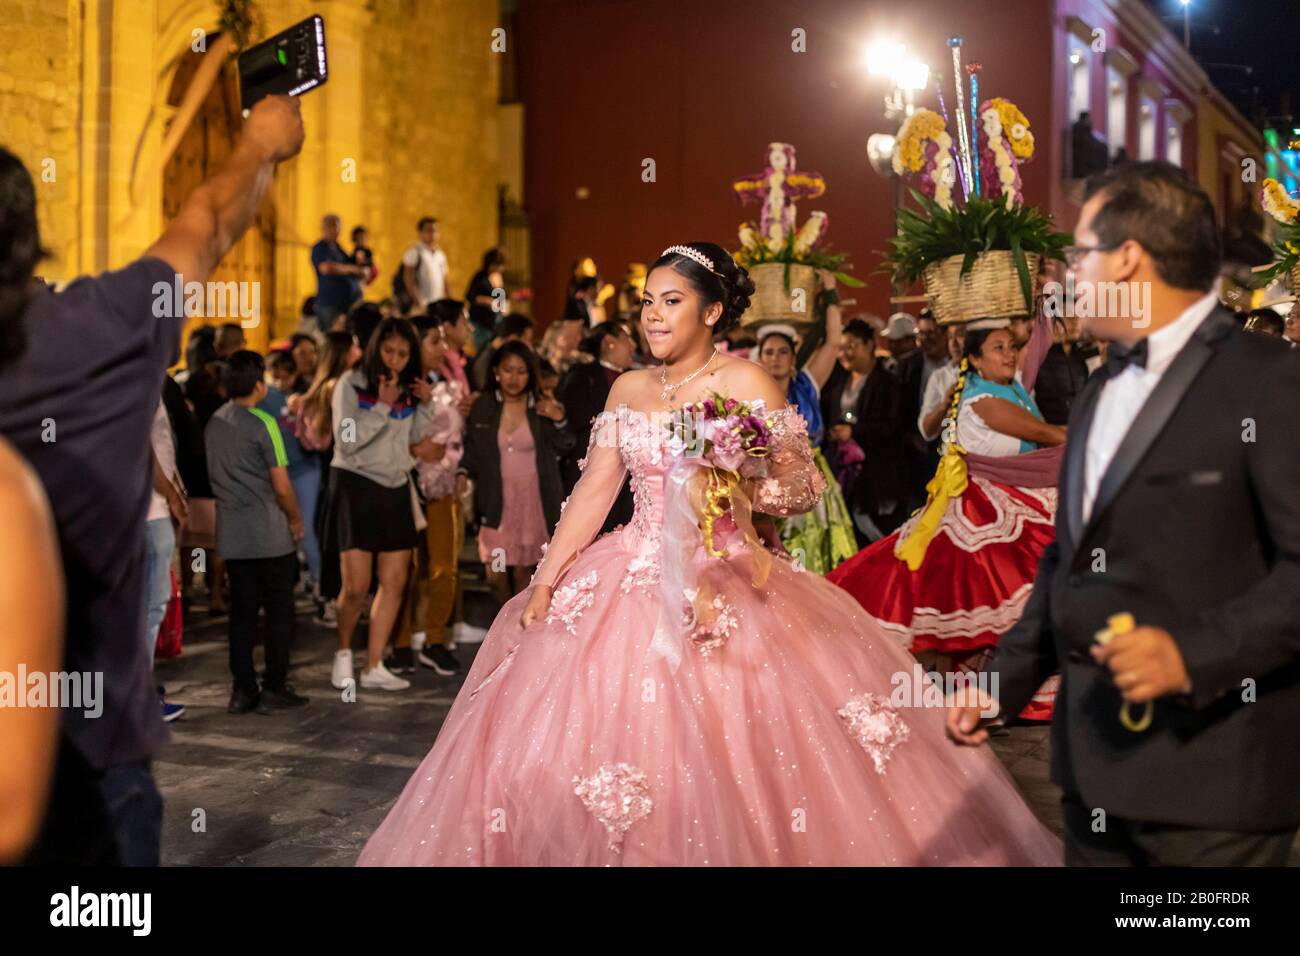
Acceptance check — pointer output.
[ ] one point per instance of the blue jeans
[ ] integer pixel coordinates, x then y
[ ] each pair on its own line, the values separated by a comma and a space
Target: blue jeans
306, 488
160, 543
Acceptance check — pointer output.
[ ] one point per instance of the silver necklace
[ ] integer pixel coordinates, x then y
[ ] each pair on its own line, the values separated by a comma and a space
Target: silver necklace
670, 391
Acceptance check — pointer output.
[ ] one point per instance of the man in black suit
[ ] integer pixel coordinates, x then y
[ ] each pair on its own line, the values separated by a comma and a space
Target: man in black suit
584, 391
865, 403
1180, 504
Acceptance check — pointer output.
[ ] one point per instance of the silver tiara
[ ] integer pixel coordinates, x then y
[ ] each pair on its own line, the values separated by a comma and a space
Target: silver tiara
690, 253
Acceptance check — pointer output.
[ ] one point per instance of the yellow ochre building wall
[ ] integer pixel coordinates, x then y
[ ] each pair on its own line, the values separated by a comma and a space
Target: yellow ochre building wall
405, 126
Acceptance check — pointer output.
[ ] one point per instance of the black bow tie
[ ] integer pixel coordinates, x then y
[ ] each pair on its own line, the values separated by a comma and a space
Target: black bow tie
1119, 357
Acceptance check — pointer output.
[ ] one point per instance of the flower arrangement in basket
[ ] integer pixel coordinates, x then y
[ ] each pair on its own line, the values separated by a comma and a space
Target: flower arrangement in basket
1286, 248
780, 257
977, 255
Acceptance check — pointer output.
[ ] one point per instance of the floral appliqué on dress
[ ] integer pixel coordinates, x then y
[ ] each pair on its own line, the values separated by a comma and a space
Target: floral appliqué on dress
876, 725
617, 795
642, 572
714, 625
571, 600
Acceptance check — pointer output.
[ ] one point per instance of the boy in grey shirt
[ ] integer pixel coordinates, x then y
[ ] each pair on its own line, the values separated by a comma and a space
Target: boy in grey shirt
257, 525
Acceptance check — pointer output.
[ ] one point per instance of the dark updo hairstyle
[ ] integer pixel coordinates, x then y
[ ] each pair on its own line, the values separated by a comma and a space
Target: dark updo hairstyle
727, 282
522, 352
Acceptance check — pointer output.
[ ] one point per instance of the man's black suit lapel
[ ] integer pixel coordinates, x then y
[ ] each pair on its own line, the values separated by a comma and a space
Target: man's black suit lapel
1076, 453
1158, 409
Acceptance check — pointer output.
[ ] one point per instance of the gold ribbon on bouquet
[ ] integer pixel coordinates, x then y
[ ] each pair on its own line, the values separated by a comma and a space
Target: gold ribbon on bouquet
714, 492
693, 502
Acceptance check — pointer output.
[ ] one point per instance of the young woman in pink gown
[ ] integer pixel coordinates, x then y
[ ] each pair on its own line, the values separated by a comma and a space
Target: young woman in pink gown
595, 729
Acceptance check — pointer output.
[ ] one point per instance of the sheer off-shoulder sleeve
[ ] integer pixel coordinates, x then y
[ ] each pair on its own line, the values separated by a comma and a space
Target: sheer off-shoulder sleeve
583, 513
794, 484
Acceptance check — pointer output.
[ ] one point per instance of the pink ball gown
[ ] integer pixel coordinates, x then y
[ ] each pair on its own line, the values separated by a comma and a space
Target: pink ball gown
764, 736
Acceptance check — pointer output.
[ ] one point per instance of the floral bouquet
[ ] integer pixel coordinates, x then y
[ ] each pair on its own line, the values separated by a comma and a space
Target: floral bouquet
728, 442
1286, 250
717, 446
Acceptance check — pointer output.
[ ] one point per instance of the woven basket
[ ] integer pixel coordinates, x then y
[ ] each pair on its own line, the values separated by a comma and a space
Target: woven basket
1295, 279
990, 290
772, 302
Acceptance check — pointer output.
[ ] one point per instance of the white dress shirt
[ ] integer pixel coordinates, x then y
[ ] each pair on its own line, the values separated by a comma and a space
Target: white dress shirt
1122, 397
936, 389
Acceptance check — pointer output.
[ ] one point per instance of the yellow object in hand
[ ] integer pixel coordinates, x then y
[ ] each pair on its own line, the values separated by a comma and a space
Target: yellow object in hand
1116, 625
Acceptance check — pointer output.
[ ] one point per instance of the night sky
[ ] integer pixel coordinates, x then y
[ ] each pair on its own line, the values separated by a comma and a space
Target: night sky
1228, 35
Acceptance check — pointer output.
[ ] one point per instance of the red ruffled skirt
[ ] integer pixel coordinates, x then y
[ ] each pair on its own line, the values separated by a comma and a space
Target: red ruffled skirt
973, 584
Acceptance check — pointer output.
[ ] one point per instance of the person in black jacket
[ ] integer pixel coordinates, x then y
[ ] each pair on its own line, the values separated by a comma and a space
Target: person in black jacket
513, 443
584, 390
865, 405
1178, 506
1062, 375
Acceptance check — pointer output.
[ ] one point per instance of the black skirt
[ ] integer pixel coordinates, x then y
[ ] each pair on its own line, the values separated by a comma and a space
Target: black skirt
366, 516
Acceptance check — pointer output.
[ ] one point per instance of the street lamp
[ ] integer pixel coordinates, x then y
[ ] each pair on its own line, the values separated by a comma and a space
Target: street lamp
889, 59
1187, 24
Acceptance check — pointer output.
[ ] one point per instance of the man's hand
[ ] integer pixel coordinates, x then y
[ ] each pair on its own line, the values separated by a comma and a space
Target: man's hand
967, 719
539, 603
1145, 664
274, 128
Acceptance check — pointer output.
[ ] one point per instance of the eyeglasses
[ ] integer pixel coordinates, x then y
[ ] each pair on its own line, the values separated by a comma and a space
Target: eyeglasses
1073, 254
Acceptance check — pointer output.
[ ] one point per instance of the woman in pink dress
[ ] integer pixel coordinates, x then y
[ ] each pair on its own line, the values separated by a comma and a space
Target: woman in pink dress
648, 703
513, 442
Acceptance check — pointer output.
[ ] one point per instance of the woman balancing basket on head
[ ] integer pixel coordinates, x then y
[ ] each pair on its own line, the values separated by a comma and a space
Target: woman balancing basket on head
957, 574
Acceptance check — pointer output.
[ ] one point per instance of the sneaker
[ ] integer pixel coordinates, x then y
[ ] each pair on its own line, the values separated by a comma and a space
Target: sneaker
401, 661
463, 633
440, 659
171, 711
326, 614
242, 701
341, 676
379, 678
282, 697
